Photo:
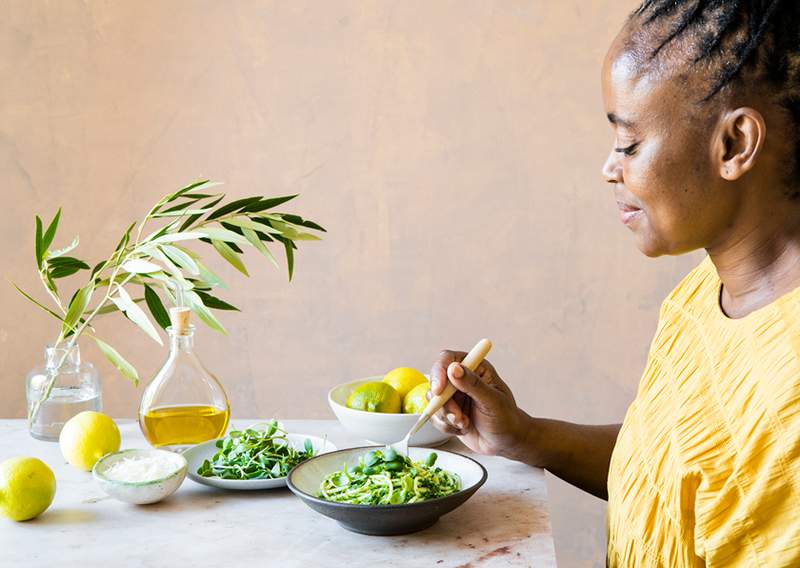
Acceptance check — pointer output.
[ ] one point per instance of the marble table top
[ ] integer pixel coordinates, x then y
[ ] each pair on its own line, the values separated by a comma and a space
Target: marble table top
506, 523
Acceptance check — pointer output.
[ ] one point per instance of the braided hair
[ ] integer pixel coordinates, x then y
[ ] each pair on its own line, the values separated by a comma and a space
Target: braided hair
734, 42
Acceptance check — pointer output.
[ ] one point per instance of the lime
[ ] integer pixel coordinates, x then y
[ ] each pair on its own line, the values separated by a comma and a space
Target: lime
416, 400
375, 397
87, 437
27, 487
403, 379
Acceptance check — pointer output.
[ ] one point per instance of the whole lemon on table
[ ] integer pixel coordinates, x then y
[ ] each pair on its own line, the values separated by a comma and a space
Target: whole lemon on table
87, 437
417, 399
375, 397
403, 379
27, 487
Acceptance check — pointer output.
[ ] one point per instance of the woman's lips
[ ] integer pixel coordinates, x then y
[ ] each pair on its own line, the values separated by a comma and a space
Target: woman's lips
629, 213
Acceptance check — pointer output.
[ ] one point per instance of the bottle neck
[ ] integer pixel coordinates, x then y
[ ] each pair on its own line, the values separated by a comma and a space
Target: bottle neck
181, 342
65, 357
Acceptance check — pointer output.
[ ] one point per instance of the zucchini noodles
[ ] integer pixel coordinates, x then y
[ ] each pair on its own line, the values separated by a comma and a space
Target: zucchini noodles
388, 478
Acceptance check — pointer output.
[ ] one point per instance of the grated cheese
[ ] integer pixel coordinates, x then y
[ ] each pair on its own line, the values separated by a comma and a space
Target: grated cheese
141, 468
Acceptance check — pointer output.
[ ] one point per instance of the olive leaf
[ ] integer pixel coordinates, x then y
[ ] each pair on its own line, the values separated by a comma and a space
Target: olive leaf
175, 237
62, 251
225, 235
63, 266
265, 204
140, 266
202, 184
215, 303
208, 275
254, 240
233, 206
156, 307
39, 243
181, 259
127, 370
37, 303
76, 308
124, 302
247, 223
171, 268
228, 254
197, 306
110, 308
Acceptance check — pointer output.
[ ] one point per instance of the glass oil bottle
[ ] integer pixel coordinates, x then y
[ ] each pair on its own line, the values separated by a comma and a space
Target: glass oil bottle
184, 404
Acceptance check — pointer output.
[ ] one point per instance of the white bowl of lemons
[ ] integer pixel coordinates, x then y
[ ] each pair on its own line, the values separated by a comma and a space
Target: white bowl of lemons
382, 409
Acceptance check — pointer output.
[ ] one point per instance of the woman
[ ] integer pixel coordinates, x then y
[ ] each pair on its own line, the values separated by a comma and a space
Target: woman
703, 97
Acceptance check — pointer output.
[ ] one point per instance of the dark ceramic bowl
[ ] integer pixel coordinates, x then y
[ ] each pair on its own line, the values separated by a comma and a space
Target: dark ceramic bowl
384, 520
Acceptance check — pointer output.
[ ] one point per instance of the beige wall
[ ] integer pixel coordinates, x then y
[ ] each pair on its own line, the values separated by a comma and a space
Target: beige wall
452, 148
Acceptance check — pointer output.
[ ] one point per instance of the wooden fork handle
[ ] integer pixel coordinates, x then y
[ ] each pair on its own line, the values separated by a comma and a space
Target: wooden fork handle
474, 358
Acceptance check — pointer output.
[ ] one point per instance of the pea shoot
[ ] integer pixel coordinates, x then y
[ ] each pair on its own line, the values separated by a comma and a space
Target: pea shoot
255, 454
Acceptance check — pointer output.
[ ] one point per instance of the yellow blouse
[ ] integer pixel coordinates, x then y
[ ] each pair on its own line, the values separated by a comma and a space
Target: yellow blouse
706, 469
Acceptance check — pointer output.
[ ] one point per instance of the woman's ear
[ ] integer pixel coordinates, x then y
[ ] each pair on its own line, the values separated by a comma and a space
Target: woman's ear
740, 138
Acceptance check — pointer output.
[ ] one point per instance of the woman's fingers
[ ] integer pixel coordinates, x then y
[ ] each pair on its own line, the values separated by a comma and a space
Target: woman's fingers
453, 413
489, 375
451, 422
442, 425
439, 369
471, 384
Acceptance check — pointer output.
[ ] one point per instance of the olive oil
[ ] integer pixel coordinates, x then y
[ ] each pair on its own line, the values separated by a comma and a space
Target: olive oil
179, 426
184, 404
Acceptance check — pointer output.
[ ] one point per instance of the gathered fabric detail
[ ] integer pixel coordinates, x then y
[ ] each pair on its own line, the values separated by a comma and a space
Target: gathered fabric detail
706, 469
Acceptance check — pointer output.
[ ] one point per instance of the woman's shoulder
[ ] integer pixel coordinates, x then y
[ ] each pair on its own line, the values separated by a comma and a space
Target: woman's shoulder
697, 292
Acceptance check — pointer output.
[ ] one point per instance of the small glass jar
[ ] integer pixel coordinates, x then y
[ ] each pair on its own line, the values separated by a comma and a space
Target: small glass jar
185, 404
75, 388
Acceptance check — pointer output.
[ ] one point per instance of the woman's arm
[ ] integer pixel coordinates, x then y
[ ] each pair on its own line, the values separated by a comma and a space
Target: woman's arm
484, 415
577, 453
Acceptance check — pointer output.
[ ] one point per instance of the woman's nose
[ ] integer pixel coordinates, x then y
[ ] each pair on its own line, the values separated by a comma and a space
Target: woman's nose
612, 170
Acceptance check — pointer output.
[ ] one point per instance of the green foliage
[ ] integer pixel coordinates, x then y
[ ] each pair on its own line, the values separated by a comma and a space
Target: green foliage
255, 454
159, 264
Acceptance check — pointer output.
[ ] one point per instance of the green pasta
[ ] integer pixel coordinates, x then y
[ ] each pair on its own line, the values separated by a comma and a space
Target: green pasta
388, 478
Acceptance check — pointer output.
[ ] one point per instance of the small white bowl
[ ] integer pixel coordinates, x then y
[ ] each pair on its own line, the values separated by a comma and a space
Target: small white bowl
140, 492
380, 427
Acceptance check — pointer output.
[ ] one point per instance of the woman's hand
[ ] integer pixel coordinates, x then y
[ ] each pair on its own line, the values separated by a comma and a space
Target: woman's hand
482, 413
485, 417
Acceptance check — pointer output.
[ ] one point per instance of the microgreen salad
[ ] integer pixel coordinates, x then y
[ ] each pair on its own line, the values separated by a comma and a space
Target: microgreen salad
255, 454
388, 478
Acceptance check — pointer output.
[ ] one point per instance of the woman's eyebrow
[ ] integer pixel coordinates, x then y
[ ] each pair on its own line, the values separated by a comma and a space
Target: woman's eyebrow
617, 121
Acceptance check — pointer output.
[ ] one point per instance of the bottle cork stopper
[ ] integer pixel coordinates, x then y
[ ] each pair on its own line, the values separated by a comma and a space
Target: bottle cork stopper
180, 320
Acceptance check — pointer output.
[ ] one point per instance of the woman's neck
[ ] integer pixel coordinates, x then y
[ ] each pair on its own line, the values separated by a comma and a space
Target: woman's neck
760, 264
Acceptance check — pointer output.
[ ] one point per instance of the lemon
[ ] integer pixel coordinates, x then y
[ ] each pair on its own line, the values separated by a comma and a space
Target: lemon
375, 397
27, 487
87, 437
417, 399
403, 379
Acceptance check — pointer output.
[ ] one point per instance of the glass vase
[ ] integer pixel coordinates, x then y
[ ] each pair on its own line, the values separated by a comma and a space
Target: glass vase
74, 386
184, 404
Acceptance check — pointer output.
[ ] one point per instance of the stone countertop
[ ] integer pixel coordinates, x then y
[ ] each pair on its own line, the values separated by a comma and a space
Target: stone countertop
506, 523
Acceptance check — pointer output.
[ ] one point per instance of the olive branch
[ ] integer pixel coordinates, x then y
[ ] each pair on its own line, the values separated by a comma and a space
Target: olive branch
159, 264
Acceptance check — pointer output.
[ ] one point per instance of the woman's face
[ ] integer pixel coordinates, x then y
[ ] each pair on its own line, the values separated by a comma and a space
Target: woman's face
665, 184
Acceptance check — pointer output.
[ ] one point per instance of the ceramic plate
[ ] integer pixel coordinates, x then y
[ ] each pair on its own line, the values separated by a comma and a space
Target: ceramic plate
197, 454
384, 520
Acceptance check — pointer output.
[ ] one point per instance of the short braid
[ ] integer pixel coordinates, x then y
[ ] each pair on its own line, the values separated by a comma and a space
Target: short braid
729, 38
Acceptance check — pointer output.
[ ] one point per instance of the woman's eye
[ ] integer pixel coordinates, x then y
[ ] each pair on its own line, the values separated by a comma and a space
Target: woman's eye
628, 150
